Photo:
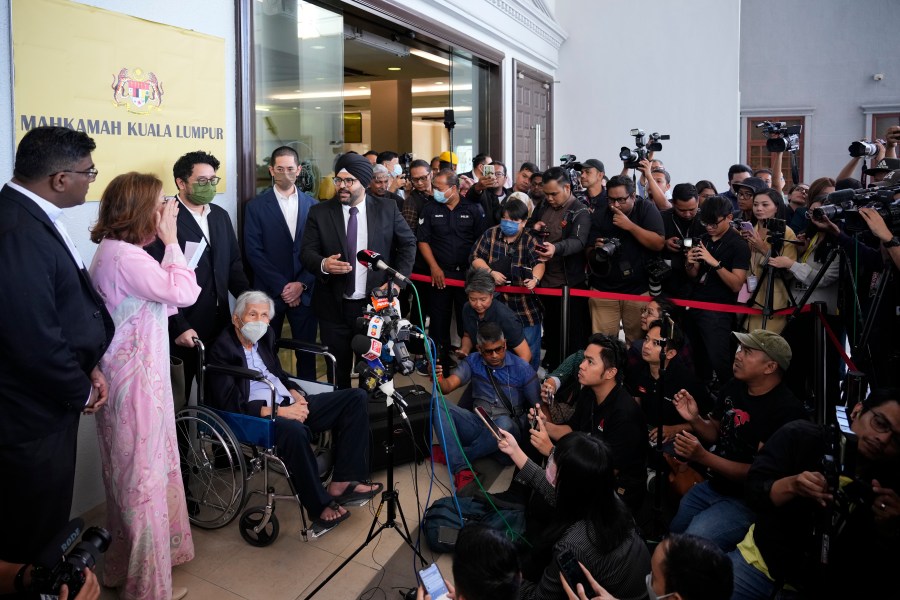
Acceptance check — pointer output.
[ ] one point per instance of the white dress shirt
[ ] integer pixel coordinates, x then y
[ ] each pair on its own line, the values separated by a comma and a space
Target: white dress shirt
362, 242
289, 205
202, 218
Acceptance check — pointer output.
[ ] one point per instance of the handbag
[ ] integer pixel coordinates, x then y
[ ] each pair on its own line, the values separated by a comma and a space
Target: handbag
176, 373
682, 476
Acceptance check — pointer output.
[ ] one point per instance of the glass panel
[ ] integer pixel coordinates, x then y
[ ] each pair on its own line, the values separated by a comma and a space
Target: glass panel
299, 50
882, 122
470, 92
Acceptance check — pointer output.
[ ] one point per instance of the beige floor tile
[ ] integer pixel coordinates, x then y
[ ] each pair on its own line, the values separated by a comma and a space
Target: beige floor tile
202, 589
352, 581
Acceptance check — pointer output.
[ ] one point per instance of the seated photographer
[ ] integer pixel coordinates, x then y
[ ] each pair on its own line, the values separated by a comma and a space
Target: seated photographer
250, 344
503, 384
481, 309
509, 252
642, 382
681, 228
604, 409
797, 500
767, 240
626, 234
748, 410
718, 265
588, 519
683, 566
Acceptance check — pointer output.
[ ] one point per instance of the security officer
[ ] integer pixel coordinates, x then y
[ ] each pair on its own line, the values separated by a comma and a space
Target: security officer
447, 231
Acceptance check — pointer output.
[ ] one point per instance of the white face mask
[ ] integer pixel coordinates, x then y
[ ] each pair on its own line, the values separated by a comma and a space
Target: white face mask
398, 170
254, 330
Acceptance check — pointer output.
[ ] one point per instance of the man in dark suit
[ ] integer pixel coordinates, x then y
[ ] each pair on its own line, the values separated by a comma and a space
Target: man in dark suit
205, 228
55, 330
273, 227
344, 285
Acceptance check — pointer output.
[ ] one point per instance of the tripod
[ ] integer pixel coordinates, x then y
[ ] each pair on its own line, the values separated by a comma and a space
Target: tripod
776, 241
389, 497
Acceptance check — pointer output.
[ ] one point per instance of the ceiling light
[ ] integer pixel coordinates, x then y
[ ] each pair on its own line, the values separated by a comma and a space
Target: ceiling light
429, 56
318, 47
439, 110
318, 108
393, 68
438, 83
362, 87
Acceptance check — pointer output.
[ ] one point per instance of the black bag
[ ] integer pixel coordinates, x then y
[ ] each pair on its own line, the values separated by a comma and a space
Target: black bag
406, 449
441, 525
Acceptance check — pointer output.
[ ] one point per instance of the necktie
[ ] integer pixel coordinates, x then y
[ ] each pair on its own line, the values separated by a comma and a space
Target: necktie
351, 251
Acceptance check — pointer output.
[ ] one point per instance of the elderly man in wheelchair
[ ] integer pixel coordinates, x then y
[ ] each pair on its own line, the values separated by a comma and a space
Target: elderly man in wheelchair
250, 344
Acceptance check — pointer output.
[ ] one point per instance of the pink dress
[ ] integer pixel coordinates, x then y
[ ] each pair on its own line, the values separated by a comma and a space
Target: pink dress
145, 505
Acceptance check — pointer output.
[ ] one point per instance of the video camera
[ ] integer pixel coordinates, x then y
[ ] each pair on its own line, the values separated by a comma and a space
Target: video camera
54, 567
790, 140
403, 160
864, 148
685, 244
573, 169
642, 150
775, 232
843, 206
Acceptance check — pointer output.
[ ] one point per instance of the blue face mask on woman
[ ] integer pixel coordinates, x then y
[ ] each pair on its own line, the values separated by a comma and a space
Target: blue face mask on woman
508, 227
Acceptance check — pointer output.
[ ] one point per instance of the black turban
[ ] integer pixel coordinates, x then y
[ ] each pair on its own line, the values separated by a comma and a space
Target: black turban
357, 165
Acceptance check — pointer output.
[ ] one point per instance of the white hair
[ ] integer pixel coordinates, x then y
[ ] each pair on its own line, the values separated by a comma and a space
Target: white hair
252, 297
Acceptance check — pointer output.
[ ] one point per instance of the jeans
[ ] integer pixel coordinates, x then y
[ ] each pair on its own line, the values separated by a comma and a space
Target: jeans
751, 584
474, 437
706, 513
533, 338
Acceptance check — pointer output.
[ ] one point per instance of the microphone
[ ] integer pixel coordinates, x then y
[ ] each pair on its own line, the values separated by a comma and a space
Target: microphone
57, 548
368, 348
372, 260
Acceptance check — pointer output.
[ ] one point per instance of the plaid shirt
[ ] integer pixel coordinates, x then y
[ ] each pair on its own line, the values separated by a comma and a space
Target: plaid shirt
491, 247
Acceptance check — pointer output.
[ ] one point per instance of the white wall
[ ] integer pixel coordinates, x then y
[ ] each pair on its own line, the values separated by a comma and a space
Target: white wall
212, 17
660, 65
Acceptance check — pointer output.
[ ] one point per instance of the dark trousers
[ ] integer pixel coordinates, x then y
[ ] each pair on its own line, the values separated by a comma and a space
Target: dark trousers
346, 414
303, 328
338, 335
36, 496
578, 327
713, 343
444, 304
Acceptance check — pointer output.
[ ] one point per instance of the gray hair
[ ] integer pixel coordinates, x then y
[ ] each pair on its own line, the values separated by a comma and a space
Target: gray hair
480, 281
489, 333
252, 297
380, 169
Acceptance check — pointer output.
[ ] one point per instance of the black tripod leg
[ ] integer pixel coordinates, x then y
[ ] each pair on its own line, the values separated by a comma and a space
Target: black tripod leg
406, 535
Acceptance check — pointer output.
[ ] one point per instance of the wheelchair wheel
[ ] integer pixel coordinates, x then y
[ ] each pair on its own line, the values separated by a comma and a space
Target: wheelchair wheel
251, 518
212, 467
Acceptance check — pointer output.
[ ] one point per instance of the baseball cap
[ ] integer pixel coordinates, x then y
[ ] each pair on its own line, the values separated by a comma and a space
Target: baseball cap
885, 164
594, 163
754, 184
769, 342
890, 180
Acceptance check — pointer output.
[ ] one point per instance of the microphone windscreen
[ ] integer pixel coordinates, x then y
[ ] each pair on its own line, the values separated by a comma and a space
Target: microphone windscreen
54, 551
367, 258
361, 344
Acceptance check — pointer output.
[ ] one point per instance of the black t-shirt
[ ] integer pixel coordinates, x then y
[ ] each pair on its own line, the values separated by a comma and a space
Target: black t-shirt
746, 421
678, 284
497, 313
627, 274
643, 386
734, 253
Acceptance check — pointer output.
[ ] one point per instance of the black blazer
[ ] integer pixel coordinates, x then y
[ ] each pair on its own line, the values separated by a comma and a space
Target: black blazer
219, 271
55, 325
272, 254
230, 393
325, 235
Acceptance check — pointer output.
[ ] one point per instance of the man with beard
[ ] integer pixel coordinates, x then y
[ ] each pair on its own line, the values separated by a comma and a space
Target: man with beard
680, 223
335, 232
592, 172
381, 185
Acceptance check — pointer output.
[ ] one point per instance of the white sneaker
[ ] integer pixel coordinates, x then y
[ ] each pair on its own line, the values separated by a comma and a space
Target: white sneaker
179, 592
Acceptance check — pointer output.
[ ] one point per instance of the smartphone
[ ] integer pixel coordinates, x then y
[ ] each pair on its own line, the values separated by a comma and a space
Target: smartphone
487, 170
746, 226
571, 570
488, 422
434, 582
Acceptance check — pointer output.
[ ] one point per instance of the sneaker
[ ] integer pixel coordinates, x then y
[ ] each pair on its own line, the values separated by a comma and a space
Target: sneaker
463, 478
423, 368
437, 455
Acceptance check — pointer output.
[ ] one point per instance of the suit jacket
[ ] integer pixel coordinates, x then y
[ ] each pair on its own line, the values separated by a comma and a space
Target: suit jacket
325, 235
231, 393
56, 326
219, 271
272, 254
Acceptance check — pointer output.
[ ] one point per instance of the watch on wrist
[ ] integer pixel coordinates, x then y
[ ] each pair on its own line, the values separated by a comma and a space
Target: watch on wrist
719, 266
891, 243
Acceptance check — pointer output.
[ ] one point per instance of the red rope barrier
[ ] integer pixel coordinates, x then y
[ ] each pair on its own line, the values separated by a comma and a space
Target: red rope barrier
837, 343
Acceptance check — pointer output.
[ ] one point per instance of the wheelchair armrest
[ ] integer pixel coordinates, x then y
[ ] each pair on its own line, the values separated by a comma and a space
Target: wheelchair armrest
300, 345
236, 372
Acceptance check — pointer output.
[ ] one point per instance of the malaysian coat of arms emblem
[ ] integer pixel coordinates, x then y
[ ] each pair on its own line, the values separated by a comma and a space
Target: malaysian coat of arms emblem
138, 92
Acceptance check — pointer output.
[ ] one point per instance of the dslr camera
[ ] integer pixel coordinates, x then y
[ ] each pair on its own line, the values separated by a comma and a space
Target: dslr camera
843, 206
633, 157
790, 140
864, 148
685, 244
657, 271
600, 257
54, 567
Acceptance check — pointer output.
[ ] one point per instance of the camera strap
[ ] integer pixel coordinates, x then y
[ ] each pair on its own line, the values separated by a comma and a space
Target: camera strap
500, 394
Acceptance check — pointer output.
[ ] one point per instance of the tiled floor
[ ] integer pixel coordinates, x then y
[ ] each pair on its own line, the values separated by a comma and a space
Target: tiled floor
225, 567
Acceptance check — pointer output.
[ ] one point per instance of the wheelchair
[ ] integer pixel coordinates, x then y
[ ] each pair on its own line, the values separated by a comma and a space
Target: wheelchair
222, 451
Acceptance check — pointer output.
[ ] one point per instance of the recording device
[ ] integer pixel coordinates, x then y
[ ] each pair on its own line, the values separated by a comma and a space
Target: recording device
489, 422
434, 583
403, 160
573, 169
863, 149
685, 244
843, 206
373, 260
775, 230
487, 170
790, 140
633, 157
600, 257
657, 271
571, 570
743, 225
54, 567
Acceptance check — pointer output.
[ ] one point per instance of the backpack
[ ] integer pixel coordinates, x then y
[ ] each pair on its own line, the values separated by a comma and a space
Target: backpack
441, 521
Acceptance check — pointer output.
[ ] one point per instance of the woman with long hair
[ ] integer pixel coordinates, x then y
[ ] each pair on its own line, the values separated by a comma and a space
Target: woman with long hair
589, 520
145, 505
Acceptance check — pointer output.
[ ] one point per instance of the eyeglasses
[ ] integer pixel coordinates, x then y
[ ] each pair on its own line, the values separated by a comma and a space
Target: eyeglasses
208, 180
349, 181
619, 200
711, 225
882, 425
91, 173
489, 351
649, 311
421, 179
282, 170
743, 192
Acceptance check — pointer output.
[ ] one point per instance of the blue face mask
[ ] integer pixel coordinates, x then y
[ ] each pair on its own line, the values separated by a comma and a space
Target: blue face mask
439, 196
398, 171
508, 227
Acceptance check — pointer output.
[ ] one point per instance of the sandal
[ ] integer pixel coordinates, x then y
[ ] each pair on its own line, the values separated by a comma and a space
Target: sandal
351, 495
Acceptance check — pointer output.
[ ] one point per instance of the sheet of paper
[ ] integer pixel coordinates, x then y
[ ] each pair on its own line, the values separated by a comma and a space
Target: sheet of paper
193, 251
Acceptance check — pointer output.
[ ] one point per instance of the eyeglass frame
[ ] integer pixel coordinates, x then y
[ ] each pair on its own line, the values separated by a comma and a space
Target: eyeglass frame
620, 200
712, 225
91, 173
204, 181
881, 424
492, 351
288, 170
343, 181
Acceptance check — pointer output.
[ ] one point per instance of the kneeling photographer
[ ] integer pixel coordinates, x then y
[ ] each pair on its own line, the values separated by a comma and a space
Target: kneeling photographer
627, 234
682, 230
828, 512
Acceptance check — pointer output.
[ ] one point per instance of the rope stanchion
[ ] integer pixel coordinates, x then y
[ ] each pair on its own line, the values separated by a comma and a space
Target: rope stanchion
713, 306
837, 343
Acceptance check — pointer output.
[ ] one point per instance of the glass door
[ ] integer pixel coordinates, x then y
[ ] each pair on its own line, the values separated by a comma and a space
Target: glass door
299, 54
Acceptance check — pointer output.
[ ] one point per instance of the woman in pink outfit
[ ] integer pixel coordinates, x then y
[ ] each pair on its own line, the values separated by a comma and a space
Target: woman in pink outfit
145, 504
